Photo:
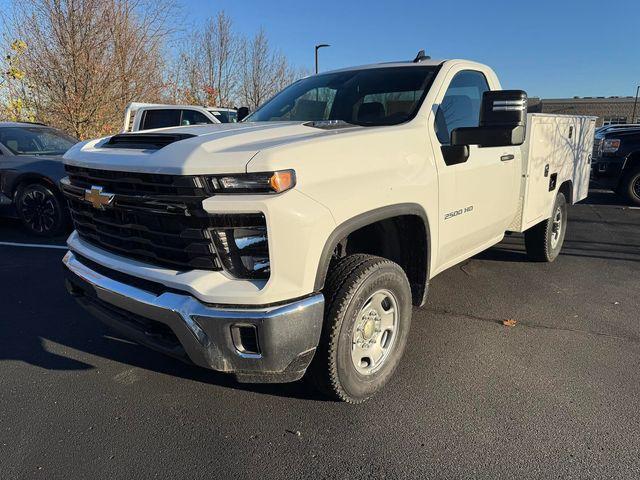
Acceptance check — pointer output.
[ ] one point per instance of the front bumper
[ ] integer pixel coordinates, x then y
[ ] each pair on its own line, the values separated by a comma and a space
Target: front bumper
606, 171
177, 324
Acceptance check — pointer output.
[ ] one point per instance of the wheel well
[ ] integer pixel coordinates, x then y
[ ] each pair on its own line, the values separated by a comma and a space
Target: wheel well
29, 179
632, 161
402, 239
567, 190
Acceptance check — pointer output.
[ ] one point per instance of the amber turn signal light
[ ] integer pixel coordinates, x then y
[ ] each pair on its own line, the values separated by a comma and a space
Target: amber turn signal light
282, 181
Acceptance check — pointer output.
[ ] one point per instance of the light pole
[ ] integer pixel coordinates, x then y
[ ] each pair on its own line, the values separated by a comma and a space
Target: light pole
635, 105
318, 47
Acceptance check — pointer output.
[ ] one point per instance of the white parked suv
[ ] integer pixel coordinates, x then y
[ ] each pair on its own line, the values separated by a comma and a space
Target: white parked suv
300, 239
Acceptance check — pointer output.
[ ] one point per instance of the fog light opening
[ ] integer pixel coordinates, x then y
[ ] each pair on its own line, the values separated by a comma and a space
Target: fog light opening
245, 339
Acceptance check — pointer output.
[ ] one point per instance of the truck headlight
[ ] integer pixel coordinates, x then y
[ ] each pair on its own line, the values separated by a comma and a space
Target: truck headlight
242, 245
265, 182
610, 145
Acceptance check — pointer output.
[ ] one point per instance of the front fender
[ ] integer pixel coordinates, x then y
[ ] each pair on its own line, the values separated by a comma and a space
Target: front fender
362, 220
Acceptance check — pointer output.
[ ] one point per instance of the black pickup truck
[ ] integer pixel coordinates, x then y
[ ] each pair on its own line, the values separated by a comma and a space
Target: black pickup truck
616, 162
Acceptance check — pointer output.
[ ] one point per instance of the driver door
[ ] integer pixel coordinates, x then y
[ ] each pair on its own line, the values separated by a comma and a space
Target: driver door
476, 198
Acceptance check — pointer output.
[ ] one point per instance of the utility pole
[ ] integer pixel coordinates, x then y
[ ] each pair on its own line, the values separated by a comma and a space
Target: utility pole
635, 105
318, 47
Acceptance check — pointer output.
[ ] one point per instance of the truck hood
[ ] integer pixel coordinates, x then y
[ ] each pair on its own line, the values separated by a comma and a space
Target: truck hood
220, 148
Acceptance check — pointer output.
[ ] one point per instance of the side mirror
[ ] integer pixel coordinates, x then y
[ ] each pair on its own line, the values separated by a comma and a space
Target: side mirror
503, 121
243, 112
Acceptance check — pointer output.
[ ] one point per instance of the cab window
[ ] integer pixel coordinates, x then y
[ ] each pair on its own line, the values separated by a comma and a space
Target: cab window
160, 118
460, 106
193, 117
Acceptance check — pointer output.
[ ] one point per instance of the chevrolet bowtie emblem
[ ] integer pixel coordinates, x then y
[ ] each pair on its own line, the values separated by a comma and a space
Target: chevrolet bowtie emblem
96, 197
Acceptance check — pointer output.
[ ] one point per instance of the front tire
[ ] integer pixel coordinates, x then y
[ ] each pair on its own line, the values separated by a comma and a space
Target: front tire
630, 187
41, 210
367, 319
544, 240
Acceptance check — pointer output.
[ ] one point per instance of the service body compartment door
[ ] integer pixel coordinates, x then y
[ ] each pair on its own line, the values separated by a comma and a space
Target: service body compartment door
584, 137
541, 150
558, 150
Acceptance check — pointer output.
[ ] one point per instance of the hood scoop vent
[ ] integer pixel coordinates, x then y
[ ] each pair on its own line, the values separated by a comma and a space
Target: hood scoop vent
148, 141
329, 124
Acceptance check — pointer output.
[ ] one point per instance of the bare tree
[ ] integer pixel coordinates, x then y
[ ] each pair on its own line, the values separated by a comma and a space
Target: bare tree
264, 71
86, 59
14, 99
221, 68
82, 61
221, 55
207, 68
138, 33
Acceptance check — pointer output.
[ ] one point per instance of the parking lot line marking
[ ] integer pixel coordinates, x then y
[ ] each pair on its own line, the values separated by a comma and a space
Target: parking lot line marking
34, 245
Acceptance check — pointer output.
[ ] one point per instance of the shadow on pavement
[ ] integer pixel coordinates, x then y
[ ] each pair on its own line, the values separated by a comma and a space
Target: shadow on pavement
599, 196
11, 230
579, 242
44, 312
579, 248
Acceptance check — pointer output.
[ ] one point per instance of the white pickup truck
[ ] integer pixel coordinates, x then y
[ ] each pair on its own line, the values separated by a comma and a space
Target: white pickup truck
150, 116
301, 238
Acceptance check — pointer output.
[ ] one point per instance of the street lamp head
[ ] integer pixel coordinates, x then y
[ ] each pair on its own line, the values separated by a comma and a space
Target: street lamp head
322, 45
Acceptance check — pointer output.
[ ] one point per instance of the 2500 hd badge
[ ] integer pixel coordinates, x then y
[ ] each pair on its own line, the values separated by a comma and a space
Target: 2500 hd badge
449, 215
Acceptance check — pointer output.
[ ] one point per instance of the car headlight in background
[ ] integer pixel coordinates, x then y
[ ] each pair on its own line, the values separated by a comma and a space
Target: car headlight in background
266, 182
610, 145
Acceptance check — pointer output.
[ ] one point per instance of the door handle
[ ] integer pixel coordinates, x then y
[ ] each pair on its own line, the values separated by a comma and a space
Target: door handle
506, 158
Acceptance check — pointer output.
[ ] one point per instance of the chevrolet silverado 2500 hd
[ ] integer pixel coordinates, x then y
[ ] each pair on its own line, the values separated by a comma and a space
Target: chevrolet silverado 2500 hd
300, 238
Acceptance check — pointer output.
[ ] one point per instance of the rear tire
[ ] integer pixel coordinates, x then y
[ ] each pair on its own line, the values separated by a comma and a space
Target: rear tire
544, 240
630, 186
42, 211
367, 318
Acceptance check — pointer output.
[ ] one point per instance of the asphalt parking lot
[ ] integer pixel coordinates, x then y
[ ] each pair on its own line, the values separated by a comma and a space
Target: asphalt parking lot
556, 396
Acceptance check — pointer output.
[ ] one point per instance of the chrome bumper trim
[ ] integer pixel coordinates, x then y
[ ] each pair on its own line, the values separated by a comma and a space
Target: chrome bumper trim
289, 330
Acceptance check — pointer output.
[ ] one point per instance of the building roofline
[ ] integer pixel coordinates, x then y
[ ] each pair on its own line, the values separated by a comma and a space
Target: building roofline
589, 100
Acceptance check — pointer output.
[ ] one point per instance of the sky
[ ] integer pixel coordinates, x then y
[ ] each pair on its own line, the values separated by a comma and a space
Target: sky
550, 48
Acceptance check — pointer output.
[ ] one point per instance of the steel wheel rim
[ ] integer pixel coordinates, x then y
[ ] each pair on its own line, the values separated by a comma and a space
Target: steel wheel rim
556, 228
375, 332
38, 211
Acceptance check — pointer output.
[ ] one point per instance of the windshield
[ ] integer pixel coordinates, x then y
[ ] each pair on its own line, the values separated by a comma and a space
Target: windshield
376, 96
35, 140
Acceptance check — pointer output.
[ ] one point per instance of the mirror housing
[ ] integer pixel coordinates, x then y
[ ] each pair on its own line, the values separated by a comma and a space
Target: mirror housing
503, 121
455, 154
243, 112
